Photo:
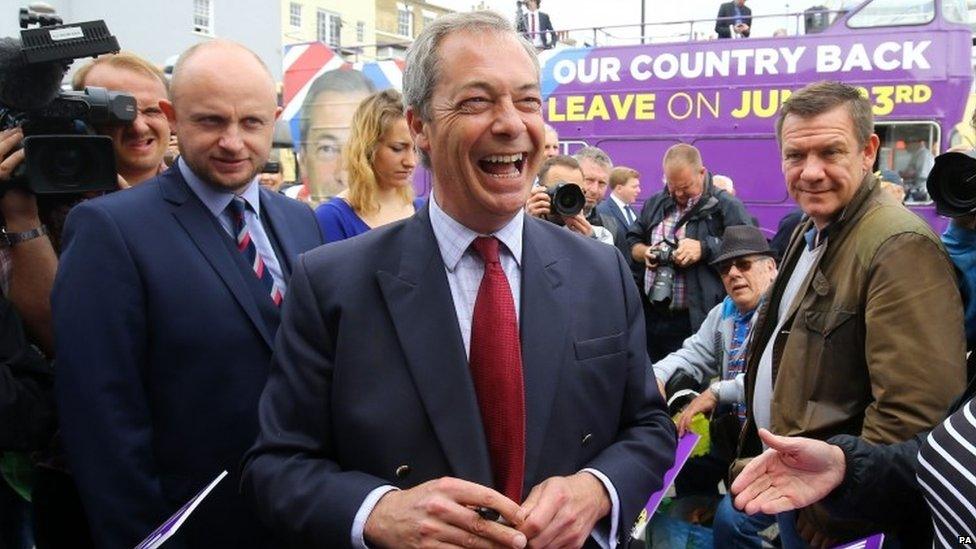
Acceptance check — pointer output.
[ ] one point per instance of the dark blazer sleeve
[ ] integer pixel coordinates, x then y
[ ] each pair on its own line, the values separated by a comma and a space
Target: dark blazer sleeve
289, 475
98, 309
733, 213
548, 35
879, 483
722, 21
26, 393
644, 447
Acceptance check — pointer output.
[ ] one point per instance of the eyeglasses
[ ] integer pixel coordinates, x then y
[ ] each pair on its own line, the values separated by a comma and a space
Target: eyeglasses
742, 263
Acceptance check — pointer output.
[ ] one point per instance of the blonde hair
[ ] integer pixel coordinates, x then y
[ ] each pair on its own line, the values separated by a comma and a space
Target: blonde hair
373, 117
122, 60
621, 175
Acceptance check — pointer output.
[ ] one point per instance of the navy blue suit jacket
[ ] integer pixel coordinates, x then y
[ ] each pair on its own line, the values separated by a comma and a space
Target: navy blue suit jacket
164, 341
370, 375
609, 208
545, 29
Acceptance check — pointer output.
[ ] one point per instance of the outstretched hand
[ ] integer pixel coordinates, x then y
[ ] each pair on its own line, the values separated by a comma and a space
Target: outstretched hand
793, 473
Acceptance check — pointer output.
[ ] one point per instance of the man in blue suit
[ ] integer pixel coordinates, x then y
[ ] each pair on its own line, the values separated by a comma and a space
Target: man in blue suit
166, 308
624, 190
471, 362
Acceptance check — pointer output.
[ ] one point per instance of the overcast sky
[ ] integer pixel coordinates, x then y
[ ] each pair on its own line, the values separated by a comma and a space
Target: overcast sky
577, 14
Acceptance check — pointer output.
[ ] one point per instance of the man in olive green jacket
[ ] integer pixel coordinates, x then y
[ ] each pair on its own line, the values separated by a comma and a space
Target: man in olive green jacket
863, 332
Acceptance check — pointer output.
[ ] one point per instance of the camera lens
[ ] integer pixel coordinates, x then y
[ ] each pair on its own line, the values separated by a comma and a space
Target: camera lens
567, 199
67, 164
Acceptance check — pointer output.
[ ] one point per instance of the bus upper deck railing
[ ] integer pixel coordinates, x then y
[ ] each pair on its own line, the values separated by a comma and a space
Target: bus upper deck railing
813, 20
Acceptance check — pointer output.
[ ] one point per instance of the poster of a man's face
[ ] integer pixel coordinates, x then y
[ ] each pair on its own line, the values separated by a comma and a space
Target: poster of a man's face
324, 121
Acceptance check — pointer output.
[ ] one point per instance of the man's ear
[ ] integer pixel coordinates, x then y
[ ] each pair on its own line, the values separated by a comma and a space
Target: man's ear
169, 111
871, 151
418, 130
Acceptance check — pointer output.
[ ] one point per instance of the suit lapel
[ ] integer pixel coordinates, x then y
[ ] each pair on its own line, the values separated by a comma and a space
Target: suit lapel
545, 322
205, 232
621, 215
419, 301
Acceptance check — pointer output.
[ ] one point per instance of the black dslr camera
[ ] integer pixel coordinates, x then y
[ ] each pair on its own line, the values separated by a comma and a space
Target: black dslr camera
63, 156
662, 291
952, 184
565, 199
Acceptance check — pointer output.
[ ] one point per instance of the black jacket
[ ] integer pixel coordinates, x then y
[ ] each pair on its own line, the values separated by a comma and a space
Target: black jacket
27, 419
880, 485
726, 17
720, 210
545, 31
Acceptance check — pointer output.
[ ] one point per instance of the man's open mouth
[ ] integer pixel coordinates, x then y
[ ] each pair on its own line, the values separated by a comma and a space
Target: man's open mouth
503, 165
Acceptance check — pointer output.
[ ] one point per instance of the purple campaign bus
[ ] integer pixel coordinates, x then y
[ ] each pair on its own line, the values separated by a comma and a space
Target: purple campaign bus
912, 59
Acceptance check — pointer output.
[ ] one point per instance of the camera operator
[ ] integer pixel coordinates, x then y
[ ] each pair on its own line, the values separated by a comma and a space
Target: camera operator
679, 231
29, 262
27, 267
565, 170
140, 146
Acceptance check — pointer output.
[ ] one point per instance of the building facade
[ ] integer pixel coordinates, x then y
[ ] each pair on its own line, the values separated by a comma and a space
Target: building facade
398, 22
348, 27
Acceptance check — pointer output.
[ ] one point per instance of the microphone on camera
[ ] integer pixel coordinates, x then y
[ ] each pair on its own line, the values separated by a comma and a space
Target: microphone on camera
24, 86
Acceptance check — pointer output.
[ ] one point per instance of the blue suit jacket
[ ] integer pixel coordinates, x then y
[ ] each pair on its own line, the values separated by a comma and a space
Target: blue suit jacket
370, 382
609, 208
164, 341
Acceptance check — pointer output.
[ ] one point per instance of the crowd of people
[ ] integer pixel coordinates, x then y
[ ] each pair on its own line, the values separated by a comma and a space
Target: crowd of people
490, 365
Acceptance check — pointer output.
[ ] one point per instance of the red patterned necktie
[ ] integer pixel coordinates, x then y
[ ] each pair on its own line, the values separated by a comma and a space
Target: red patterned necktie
246, 246
496, 368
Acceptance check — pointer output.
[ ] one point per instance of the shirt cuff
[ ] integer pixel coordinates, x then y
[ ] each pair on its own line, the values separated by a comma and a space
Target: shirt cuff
359, 521
726, 391
600, 534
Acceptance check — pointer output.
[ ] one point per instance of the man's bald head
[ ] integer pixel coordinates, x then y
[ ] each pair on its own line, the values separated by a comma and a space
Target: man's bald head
227, 57
223, 107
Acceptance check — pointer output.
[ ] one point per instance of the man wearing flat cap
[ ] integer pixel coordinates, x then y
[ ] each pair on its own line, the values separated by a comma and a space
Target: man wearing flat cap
714, 356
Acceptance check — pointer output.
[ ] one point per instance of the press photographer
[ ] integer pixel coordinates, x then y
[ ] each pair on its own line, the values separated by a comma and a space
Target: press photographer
677, 234
952, 185
560, 198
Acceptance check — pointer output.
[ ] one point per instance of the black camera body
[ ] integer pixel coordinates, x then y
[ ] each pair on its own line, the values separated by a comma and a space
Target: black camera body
63, 155
662, 291
952, 184
565, 200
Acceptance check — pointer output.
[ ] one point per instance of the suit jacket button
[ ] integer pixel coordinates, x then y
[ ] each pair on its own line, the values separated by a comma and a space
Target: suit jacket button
586, 439
402, 471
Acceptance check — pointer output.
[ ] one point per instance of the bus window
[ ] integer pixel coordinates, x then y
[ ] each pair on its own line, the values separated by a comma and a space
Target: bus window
906, 156
955, 11
888, 13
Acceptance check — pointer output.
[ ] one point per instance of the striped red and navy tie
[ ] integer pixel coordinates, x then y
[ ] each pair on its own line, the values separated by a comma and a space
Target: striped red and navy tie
246, 246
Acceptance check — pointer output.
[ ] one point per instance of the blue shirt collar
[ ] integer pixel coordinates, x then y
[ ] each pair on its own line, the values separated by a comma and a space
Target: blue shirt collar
817, 238
454, 239
216, 200
729, 310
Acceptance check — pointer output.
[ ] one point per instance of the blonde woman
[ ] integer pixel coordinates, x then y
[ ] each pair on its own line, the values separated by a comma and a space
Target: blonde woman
379, 158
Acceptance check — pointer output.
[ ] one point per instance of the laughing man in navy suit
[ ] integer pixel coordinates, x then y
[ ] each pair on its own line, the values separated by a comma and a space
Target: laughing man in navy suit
165, 310
470, 358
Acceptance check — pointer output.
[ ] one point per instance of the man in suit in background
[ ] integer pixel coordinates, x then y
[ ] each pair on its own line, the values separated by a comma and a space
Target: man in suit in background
165, 309
733, 17
535, 26
503, 370
624, 189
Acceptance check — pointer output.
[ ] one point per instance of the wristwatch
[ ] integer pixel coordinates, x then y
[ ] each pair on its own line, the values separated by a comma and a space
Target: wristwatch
10, 239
